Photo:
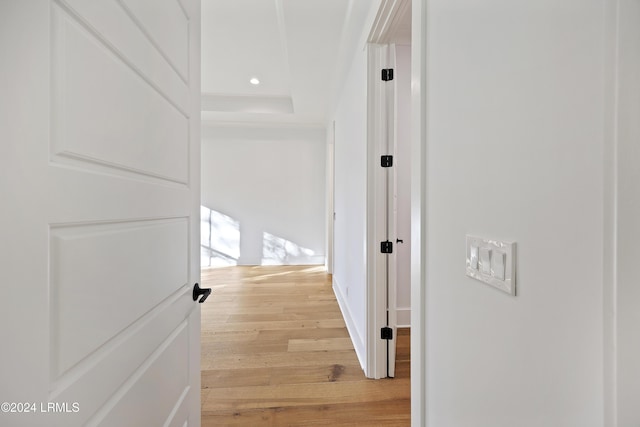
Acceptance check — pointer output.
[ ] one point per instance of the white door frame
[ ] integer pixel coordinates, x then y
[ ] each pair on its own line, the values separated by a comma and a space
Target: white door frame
331, 215
387, 18
419, 231
376, 366
383, 28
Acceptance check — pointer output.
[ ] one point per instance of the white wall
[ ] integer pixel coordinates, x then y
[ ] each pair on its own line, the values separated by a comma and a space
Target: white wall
268, 180
403, 183
515, 152
627, 296
349, 268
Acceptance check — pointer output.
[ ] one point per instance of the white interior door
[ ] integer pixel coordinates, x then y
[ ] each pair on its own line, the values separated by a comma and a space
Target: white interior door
381, 215
99, 186
331, 215
392, 210
385, 207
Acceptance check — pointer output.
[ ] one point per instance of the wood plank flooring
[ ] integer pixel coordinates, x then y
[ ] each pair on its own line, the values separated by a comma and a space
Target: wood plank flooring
276, 352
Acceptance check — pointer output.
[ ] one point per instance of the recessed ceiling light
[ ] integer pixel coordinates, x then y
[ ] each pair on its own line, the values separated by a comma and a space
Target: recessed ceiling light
254, 81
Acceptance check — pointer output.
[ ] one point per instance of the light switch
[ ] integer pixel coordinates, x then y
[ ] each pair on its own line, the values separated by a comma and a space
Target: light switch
473, 257
497, 264
492, 261
485, 260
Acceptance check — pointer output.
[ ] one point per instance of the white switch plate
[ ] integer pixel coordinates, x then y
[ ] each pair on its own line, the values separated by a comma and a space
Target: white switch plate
499, 266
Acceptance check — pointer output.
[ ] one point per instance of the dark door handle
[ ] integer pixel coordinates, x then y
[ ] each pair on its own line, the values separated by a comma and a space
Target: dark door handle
197, 291
399, 241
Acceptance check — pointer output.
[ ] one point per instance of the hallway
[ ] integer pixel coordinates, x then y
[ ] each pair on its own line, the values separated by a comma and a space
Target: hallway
276, 352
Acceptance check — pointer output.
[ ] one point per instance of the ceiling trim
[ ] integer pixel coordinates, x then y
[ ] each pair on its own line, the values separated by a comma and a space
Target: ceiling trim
218, 119
388, 20
283, 40
264, 133
304, 56
264, 104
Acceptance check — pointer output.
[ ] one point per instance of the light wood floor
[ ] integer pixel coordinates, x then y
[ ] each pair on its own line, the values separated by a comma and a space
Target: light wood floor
276, 352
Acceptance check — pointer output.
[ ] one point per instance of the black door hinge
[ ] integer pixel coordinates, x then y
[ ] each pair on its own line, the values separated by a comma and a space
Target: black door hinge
387, 74
386, 161
386, 247
386, 333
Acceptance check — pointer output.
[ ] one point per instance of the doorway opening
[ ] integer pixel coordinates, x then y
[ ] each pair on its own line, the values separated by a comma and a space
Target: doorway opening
389, 178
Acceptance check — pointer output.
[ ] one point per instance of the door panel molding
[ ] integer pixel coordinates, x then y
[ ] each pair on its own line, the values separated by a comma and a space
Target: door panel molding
107, 367
85, 287
92, 120
167, 367
113, 26
101, 181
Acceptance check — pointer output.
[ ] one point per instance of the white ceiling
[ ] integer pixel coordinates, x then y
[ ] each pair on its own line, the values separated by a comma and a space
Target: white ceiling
297, 48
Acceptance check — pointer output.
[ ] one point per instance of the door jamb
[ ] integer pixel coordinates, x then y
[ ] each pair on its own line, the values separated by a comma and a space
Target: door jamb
419, 230
376, 348
331, 214
382, 30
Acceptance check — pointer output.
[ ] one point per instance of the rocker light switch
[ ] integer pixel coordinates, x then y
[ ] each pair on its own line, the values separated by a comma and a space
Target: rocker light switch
473, 257
497, 265
492, 262
485, 260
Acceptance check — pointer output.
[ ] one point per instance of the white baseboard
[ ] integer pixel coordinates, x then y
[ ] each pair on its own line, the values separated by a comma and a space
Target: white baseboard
356, 337
404, 317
